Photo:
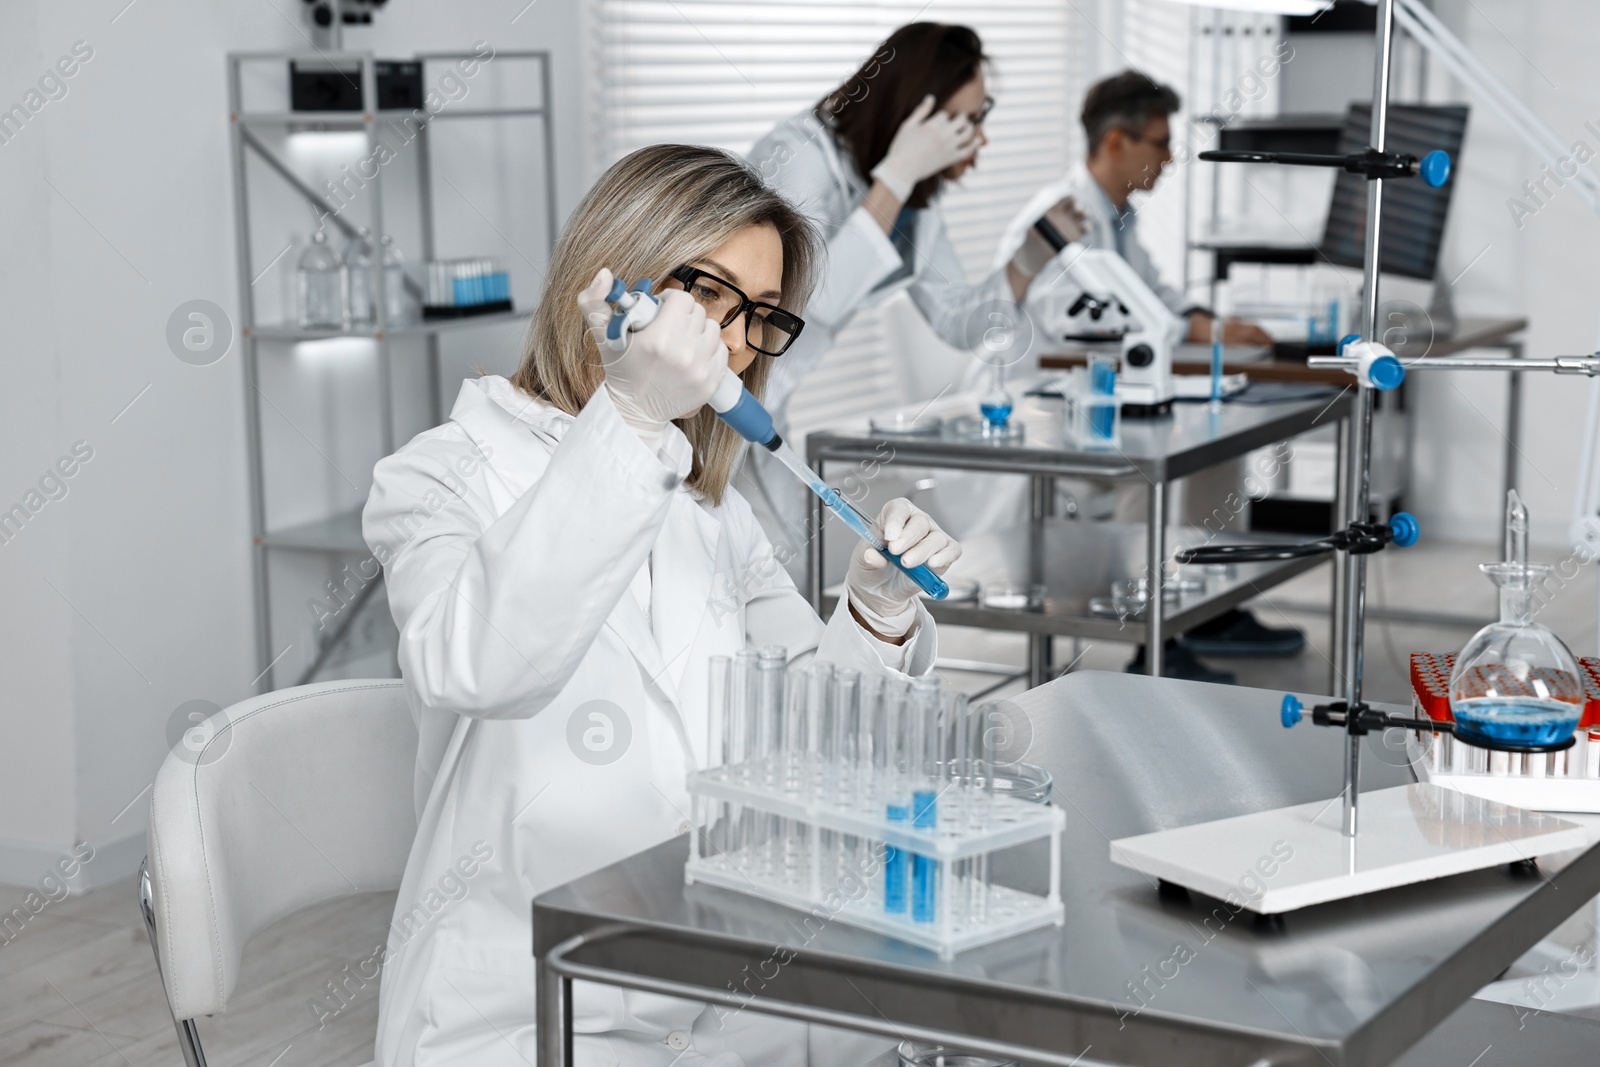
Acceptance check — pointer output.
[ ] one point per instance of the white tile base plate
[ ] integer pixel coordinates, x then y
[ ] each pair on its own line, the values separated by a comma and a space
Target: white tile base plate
1289, 858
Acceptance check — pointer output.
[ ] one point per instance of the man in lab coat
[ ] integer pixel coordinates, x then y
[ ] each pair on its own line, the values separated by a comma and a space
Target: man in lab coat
1126, 123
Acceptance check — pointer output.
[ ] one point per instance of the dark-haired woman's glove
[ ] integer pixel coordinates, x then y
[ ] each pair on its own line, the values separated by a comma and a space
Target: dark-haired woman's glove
926, 143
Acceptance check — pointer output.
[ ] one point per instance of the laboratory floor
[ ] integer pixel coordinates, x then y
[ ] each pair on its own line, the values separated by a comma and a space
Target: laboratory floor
78, 984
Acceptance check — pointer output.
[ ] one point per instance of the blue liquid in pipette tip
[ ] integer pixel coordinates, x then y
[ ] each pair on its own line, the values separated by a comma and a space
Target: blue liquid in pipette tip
924, 871
896, 862
1522, 721
996, 414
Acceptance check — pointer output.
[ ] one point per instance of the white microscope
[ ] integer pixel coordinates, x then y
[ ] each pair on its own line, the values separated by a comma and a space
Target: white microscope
1115, 297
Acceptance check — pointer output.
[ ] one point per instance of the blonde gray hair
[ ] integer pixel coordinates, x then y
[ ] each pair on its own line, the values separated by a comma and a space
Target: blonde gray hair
652, 211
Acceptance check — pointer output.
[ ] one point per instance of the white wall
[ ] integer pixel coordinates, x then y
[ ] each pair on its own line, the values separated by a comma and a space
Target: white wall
118, 209
1545, 270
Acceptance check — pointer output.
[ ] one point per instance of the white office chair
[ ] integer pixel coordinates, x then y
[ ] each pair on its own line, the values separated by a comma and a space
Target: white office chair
293, 798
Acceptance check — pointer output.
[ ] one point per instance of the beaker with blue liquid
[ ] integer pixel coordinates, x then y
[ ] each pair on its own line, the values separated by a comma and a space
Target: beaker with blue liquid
1515, 684
1094, 414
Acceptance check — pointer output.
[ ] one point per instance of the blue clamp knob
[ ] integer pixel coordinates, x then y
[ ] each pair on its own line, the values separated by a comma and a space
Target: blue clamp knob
1289, 712
1346, 339
1386, 373
642, 286
1404, 526
1435, 167
618, 287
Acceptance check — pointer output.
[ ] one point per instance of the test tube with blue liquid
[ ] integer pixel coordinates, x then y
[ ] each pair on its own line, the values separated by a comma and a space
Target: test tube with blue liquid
924, 744
897, 807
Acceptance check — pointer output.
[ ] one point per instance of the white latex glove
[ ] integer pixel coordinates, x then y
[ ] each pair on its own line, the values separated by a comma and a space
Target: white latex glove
668, 370
927, 142
1035, 251
879, 591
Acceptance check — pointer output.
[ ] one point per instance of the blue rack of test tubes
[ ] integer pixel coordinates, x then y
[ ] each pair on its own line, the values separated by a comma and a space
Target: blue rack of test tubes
864, 799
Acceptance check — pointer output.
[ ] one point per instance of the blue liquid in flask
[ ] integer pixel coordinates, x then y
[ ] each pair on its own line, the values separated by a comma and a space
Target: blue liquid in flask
1516, 720
996, 414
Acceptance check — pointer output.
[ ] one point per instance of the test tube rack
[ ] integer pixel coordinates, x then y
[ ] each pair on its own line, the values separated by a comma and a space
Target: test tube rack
826, 847
1568, 780
863, 798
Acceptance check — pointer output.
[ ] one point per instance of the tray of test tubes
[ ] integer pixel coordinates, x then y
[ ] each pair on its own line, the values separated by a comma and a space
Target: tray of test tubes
1568, 780
866, 800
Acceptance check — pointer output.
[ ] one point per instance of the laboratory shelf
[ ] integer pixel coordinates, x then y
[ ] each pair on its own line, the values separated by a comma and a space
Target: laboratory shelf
312, 121
339, 533
259, 155
291, 333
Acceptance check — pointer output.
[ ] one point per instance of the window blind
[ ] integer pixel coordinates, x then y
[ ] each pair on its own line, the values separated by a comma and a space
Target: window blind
723, 72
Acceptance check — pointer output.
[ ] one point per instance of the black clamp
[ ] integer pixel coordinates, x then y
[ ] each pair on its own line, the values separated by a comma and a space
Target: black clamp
1358, 539
1433, 168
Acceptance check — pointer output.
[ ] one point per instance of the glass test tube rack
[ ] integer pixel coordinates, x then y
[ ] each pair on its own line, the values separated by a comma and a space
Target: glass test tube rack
1568, 780
866, 801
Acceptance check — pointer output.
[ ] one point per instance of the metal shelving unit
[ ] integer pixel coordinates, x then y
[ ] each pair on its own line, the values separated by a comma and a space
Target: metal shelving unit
339, 534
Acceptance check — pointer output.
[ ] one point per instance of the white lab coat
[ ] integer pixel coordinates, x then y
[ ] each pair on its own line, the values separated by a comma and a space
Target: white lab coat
1053, 292
541, 567
861, 269
801, 159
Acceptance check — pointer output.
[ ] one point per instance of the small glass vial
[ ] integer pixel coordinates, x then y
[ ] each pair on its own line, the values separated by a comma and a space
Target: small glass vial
321, 295
398, 306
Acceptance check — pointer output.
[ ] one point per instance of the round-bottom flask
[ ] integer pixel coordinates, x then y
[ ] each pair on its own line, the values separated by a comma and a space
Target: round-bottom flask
1515, 683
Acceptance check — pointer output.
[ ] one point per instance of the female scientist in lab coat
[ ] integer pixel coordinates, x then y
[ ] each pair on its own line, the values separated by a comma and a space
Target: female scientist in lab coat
563, 557
867, 163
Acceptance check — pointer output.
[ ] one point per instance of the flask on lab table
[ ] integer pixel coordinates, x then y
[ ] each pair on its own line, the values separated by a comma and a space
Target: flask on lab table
1515, 683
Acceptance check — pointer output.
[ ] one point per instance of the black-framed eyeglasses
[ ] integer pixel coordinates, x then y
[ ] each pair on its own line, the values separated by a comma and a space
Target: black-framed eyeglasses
1162, 143
768, 329
982, 113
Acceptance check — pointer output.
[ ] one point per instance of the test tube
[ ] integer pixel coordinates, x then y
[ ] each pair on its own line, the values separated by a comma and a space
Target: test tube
742, 752
818, 713
958, 791
770, 663
869, 752
841, 765
717, 828
924, 749
841, 744
897, 807
983, 750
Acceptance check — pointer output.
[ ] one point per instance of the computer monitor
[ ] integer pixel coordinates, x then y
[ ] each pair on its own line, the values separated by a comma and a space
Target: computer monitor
1413, 212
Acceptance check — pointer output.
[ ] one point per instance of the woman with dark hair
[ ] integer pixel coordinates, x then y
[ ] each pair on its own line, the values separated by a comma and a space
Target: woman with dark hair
867, 163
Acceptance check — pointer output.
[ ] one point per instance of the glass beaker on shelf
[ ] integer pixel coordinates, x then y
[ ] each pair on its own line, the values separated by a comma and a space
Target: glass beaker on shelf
399, 306
1515, 683
320, 289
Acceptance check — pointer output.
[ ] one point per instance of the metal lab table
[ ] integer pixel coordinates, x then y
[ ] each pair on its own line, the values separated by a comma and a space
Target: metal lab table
1352, 984
1156, 451
1076, 561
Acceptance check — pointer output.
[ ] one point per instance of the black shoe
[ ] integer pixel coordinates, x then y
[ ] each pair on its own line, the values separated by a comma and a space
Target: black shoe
1237, 633
1179, 662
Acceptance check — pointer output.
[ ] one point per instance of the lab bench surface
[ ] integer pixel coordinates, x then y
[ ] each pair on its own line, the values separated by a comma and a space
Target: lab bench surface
1134, 976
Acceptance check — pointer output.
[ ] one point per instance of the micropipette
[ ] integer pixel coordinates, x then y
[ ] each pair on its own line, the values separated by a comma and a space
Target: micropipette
636, 308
